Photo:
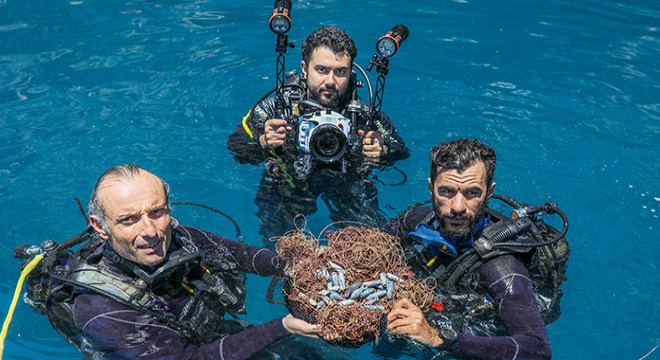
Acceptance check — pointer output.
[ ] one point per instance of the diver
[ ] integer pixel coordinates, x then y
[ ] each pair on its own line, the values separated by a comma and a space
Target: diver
497, 278
144, 286
309, 143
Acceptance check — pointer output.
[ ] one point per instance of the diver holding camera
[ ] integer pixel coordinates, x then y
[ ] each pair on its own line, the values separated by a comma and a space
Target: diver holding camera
316, 136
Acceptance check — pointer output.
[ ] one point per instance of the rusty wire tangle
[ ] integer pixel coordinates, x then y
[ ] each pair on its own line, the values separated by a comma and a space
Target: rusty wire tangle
347, 286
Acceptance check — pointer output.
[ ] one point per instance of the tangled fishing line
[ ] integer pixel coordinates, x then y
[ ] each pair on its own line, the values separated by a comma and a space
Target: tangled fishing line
348, 286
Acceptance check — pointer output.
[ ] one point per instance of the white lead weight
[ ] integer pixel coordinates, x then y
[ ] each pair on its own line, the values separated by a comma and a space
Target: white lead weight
390, 290
393, 277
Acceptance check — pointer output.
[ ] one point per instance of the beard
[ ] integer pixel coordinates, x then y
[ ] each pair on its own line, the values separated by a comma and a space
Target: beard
334, 101
149, 256
465, 228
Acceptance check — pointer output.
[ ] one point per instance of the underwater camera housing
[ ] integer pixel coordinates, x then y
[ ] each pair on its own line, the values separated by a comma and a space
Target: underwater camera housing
324, 134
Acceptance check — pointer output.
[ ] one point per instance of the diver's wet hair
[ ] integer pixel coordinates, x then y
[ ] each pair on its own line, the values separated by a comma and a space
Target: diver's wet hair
331, 37
461, 154
123, 171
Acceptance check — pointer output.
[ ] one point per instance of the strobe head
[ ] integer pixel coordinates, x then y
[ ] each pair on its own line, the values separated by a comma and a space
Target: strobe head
389, 43
328, 143
280, 21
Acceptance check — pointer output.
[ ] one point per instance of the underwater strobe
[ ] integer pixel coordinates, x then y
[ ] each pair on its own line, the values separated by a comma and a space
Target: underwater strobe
280, 21
280, 24
389, 43
386, 46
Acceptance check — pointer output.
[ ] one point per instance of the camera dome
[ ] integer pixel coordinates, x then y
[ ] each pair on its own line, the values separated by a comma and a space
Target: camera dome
328, 143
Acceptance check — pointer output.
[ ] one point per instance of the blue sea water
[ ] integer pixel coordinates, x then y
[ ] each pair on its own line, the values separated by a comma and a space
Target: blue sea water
568, 93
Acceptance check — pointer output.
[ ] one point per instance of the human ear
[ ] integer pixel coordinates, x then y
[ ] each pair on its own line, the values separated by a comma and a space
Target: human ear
303, 68
491, 190
98, 226
430, 186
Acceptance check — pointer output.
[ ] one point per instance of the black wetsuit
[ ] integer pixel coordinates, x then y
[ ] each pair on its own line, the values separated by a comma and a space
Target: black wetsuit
284, 192
113, 330
520, 333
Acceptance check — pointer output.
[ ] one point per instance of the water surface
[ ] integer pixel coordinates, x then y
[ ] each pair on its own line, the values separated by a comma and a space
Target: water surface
567, 93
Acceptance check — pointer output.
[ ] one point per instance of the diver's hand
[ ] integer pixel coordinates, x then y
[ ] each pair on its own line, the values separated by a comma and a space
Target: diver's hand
372, 145
274, 133
299, 327
407, 319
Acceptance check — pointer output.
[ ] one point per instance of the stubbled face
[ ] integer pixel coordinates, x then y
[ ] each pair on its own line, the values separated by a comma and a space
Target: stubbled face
459, 199
137, 217
328, 75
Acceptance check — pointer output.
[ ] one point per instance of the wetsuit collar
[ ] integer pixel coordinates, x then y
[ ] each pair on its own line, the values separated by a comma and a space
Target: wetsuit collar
432, 238
180, 258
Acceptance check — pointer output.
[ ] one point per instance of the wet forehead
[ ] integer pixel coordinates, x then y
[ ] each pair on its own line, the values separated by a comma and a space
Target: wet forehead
475, 175
325, 56
121, 195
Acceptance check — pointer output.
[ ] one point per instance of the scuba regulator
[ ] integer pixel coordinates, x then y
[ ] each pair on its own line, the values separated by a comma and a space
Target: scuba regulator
518, 235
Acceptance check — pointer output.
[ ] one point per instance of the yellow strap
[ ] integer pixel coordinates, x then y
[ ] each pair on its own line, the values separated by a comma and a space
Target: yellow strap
19, 286
245, 125
280, 162
187, 288
432, 261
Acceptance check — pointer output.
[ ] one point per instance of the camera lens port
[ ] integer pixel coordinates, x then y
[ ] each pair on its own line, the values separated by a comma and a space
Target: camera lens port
328, 143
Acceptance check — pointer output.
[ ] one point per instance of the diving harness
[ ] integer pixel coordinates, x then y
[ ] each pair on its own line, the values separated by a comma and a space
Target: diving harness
57, 273
543, 248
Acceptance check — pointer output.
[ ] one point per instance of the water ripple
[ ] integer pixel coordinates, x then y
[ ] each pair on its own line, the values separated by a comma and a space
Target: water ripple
207, 20
12, 27
565, 91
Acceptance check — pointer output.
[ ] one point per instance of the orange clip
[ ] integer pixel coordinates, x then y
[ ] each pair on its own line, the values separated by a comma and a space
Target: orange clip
437, 306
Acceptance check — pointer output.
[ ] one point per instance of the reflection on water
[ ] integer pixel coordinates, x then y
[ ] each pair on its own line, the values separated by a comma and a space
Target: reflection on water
567, 93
